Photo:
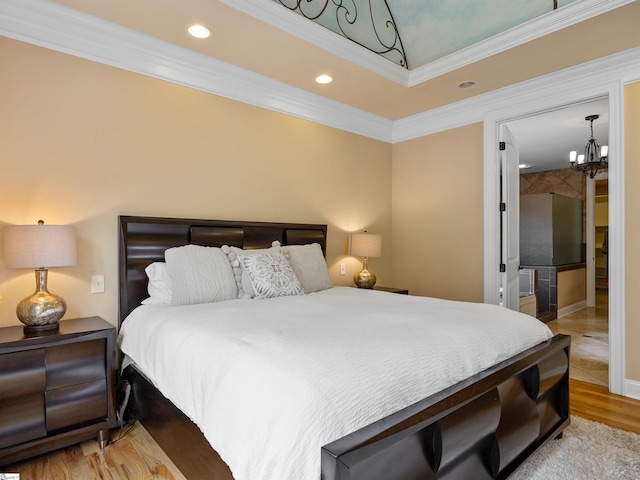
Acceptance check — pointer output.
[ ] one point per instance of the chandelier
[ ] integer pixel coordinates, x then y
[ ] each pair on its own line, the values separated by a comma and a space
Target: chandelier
594, 159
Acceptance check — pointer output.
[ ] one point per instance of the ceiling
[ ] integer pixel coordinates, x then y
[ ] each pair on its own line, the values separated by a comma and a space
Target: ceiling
494, 43
263, 36
545, 140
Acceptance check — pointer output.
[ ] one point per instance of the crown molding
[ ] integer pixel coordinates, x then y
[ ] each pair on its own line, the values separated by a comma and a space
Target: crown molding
557, 88
56, 27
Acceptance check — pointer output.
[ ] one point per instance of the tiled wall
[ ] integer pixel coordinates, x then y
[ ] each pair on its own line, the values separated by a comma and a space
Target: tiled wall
547, 293
565, 181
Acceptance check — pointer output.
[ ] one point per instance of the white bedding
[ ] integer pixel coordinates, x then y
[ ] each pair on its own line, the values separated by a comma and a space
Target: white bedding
269, 382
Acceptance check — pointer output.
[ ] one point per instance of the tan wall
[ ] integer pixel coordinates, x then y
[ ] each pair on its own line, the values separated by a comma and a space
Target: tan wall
572, 287
84, 142
438, 214
632, 228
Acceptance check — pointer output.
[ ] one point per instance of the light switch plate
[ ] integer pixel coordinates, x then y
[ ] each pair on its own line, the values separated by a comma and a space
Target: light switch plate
97, 284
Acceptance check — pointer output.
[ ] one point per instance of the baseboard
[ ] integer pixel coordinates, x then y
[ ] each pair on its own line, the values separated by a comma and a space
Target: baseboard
571, 308
632, 389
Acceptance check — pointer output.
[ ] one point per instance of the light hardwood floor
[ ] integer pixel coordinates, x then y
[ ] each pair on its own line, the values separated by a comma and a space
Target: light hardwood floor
594, 402
135, 457
589, 330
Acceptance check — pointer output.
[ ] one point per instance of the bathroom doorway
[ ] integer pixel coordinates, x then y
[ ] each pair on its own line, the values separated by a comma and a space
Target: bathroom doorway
563, 290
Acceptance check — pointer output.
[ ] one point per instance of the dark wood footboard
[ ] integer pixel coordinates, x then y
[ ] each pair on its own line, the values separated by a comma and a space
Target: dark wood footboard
482, 428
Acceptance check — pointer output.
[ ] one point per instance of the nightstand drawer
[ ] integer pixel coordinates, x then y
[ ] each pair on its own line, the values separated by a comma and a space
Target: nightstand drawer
75, 363
71, 406
57, 388
21, 419
21, 373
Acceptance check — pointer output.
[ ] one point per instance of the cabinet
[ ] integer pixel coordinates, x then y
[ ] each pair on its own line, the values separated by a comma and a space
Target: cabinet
56, 389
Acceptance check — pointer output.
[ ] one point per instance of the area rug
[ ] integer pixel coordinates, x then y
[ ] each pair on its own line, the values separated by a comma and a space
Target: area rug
587, 451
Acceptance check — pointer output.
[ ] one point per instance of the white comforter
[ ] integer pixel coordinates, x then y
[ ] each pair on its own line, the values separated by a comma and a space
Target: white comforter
271, 381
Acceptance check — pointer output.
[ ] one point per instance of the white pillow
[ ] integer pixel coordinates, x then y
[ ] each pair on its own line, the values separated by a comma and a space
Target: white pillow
245, 289
160, 285
309, 265
200, 275
271, 275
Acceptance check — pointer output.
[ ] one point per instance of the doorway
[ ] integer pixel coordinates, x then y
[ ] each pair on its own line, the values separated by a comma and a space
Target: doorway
532, 104
568, 263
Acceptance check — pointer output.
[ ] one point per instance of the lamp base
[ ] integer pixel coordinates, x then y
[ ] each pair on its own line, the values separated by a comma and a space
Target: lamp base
42, 310
37, 330
364, 279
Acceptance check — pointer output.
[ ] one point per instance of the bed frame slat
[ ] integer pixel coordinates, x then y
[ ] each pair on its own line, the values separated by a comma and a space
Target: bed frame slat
216, 236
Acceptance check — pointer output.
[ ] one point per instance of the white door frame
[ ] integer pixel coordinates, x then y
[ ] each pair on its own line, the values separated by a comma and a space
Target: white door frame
581, 88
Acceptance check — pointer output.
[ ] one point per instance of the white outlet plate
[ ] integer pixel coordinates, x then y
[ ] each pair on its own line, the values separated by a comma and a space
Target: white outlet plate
343, 268
97, 284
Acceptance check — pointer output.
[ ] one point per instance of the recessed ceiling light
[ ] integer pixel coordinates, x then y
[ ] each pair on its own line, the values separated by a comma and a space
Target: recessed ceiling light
324, 79
524, 166
198, 31
470, 84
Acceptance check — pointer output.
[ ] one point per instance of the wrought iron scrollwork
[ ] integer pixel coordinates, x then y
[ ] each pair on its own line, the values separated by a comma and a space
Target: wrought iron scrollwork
375, 29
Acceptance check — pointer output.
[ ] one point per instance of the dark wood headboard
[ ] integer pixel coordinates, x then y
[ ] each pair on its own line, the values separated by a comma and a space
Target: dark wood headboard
143, 240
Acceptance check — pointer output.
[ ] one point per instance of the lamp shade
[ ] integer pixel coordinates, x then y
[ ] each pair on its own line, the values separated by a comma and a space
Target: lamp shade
39, 246
366, 244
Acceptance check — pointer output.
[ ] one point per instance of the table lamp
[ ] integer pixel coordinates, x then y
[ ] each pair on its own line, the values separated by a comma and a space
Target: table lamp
40, 246
365, 245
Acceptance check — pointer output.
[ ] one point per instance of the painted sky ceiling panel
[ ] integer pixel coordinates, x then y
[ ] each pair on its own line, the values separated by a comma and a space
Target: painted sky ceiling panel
412, 33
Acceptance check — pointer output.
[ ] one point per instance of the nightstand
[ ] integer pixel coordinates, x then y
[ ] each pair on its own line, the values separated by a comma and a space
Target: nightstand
402, 291
56, 389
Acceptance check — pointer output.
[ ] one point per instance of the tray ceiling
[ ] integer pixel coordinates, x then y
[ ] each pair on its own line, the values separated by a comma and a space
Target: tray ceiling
412, 33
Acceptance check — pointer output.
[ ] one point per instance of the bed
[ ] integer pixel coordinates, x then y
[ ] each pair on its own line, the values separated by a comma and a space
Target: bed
480, 426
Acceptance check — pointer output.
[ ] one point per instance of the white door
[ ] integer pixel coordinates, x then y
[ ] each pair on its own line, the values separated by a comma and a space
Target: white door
510, 219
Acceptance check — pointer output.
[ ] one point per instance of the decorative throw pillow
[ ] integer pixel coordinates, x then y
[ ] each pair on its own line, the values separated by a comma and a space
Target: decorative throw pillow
309, 265
160, 285
200, 275
271, 275
245, 289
